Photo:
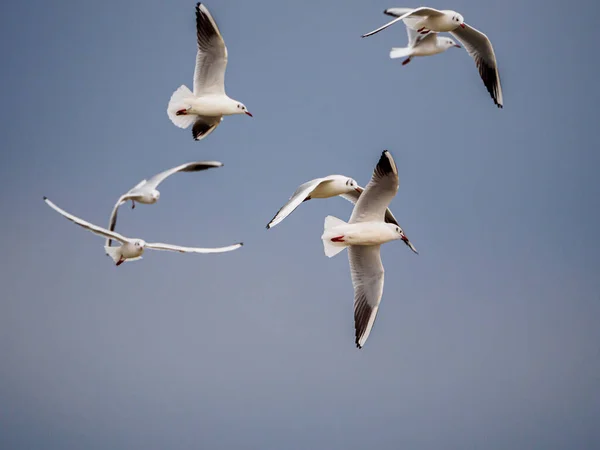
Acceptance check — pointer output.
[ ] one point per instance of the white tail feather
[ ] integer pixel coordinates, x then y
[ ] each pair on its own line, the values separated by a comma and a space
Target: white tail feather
332, 248
177, 103
113, 252
398, 52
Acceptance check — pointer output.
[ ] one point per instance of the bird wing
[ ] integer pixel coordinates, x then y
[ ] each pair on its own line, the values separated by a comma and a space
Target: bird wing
177, 248
91, 227
375, 199
423, 11
367, 278
112, 223
302, 194
195, 166
480, 48
211, 59
205, 125
353, 197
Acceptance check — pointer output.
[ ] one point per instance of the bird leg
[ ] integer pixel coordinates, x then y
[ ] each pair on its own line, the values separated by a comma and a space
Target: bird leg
338, 239
120, 261
183, 112
132, 204
406, 61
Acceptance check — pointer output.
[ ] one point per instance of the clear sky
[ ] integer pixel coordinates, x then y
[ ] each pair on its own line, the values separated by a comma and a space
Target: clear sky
487, 339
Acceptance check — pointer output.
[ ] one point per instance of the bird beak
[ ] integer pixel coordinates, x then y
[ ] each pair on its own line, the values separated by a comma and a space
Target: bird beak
462, 25
457, 46
248, 113
407, 242
358, 190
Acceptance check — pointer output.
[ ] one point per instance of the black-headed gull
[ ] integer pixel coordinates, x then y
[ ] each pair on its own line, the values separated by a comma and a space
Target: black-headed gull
132, 249
422, 45
206, 106
326, 187
425, 19
363, 234
145, 191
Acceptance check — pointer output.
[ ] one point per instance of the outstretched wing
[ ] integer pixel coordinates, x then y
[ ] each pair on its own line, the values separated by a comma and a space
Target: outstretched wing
353, 197
211, 59
177, 248
302, 194
195, 166
88, 226
112, 223
375, 199
480, 48
367, 278
423, 11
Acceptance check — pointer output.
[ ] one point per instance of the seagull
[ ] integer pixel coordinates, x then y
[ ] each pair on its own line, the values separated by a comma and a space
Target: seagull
422, 45
132, 249
326, 187
363, 234
206, 106
145, 191
425, 20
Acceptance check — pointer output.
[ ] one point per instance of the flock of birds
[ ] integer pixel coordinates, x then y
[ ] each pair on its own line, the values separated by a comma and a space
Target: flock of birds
371, 223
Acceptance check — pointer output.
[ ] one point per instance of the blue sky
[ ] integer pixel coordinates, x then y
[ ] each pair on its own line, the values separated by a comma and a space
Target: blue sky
487, 339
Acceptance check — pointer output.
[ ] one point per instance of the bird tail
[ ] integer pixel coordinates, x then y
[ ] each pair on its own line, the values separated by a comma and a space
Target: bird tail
398, 52
333, 240
113, 252
177, 103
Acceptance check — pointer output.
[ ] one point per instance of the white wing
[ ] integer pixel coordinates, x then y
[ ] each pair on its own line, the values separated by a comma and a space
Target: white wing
397, 12
82, 223
423, 11
112, 223
353, 197
211, 60
367, 278
374, 201
177, 248
196, 166
480, 48
302, 194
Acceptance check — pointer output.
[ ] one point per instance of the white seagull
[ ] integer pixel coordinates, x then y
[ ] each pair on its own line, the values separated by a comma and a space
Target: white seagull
132, 249
425, 20
326, 187
206, 106
363, 235
145, 191
422, 45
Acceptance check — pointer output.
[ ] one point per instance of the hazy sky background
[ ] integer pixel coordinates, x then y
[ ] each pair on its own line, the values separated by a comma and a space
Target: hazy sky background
487, 339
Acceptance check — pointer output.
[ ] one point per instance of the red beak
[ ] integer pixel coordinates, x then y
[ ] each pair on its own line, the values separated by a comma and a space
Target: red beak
457, 46
462, 25
249, 114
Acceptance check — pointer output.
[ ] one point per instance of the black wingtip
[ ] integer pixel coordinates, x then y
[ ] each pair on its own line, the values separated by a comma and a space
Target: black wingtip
385, 166
45, 198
